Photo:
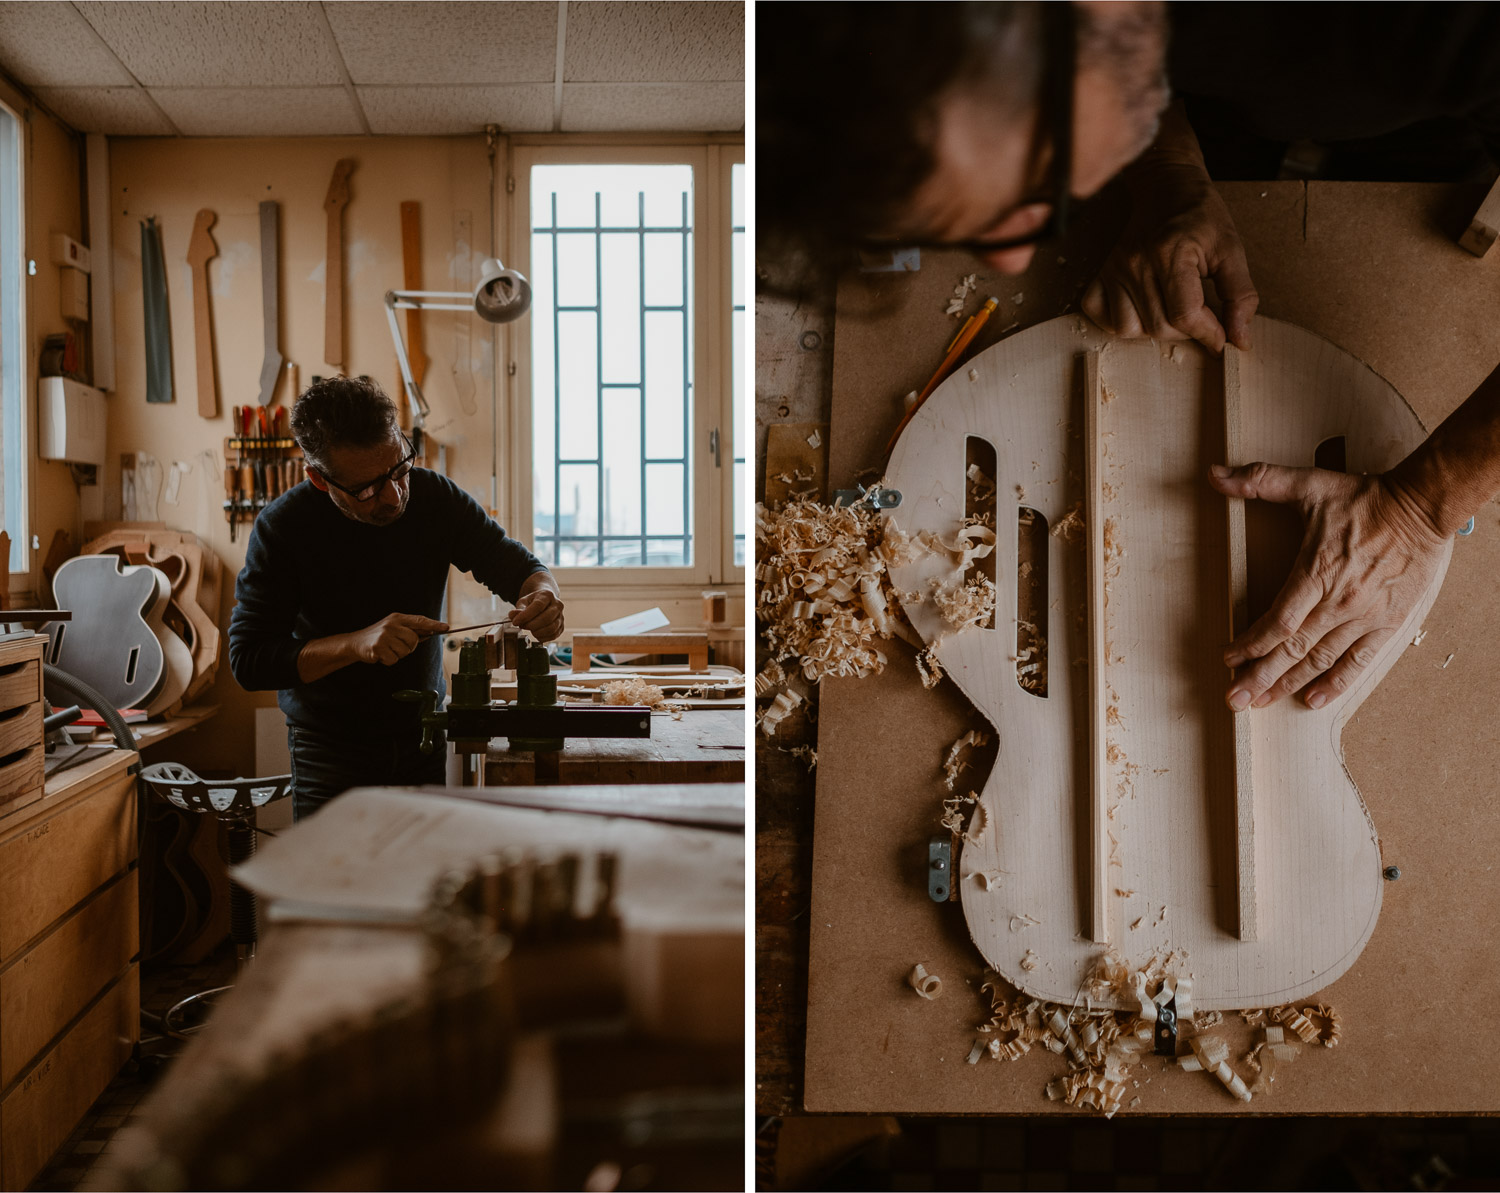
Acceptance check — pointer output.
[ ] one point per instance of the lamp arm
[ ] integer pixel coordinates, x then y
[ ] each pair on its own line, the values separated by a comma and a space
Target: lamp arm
419, 409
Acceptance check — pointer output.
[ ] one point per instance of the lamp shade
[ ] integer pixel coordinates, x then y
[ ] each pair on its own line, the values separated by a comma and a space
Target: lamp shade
502, 294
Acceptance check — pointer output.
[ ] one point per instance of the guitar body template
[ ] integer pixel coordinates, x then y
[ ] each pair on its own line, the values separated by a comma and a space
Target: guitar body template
1027, 870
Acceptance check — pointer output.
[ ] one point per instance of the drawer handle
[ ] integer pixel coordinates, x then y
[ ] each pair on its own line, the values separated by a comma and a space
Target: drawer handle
13, 668
15, 756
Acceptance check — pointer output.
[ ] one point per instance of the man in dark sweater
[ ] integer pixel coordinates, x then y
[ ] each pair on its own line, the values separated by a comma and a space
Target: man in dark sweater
339, 601
974, 125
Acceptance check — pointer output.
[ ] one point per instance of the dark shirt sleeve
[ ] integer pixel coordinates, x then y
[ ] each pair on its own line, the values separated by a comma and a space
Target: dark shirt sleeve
262, 649
485, 551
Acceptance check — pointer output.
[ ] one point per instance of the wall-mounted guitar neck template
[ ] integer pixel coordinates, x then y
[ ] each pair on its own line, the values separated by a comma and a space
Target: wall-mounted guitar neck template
1129, 808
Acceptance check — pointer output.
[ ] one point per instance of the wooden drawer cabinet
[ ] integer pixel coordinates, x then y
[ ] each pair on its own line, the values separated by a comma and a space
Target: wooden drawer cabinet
69, 939
20, 723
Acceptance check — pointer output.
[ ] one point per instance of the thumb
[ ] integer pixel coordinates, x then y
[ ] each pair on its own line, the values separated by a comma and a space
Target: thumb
1185, 309
1262, 482
1237, 293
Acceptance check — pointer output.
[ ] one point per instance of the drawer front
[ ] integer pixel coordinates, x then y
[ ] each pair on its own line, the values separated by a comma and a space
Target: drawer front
21, 779
43, 988
20, 728
55, 865
20, 683
53, 1096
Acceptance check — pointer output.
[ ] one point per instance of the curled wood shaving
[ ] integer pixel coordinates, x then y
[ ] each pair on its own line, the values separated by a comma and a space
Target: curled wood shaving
1030, 961
771, 676
1019, 923
806, 753
976, 1052
977, 823
928, 985
1069, 527
778, 710
928, 667
965, 603
987, 879
961, 291
815, 439
952, 765
1332, 1030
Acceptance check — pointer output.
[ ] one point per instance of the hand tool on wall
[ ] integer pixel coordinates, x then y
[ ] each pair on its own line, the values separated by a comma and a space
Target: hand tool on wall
202, 249
411, 271
158, 322
333, 301
270, 252
231, 495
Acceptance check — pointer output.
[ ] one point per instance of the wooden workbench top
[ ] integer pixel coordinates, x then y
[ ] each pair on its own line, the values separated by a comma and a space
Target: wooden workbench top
703, 746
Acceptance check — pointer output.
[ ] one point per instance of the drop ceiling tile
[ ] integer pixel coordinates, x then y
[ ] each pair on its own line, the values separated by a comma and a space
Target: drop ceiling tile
406, 43
259, 111
50, 45
442, 111
653, 107
624, 41
114, 111
213, 43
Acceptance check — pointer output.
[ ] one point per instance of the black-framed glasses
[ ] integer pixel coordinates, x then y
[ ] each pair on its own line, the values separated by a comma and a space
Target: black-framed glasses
1056, 102
370, 489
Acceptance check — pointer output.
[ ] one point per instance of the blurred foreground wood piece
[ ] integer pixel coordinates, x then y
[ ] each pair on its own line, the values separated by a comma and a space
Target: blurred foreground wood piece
1484, 229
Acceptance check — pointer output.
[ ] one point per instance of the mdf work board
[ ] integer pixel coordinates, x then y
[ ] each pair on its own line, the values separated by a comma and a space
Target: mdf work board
1374, 269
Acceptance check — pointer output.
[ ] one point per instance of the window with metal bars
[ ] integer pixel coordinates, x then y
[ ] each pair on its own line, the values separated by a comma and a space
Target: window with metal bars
612, 364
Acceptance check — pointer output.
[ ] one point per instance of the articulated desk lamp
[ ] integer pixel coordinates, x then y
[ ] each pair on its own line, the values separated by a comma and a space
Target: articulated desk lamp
502, 295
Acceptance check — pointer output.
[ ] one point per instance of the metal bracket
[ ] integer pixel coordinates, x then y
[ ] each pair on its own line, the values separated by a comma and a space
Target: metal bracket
940, 867
875, 498
1166, 1028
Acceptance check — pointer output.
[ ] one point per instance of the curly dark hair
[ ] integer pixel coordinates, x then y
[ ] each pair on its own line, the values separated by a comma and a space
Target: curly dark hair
847, 100
341, 412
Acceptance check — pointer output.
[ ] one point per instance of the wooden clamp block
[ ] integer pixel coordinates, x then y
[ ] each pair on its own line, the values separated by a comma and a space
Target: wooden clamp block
694, 644
1485, 228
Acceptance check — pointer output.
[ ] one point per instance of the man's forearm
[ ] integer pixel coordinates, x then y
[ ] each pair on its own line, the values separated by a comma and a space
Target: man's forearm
1174, 158
324, 656
1458, 469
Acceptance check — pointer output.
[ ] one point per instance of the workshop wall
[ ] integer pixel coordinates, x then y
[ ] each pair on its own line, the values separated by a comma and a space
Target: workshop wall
171, 180
53, 202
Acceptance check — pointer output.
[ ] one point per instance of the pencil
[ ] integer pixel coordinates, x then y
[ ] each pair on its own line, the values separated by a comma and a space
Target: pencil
961, 341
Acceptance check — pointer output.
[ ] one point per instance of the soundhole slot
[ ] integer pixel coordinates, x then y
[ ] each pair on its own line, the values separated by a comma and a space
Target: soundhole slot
1031, 600
979, 502
135, 656
1330, 455
57, 641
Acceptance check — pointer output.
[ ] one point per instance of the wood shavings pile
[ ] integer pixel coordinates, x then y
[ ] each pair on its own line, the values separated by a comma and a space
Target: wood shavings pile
824, 590
1102, 1047
961, 292
638, 691
1069, 527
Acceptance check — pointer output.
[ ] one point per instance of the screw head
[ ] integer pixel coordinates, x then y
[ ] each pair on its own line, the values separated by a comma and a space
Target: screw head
939, 864
811, 340
1392, 873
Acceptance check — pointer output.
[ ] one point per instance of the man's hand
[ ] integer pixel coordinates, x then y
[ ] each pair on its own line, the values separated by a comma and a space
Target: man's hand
1369, 551
1152, 284
392, 638
539, 611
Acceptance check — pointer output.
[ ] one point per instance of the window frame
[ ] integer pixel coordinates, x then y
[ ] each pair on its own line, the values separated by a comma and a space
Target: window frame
712, 505
19, 367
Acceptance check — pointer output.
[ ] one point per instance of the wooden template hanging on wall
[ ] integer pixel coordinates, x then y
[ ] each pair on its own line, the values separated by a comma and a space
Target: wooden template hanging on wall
411, 279
1124, 810
270, 299
333, 301
201, 250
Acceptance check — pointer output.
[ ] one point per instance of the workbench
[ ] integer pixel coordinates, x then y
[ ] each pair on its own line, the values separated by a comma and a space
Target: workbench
703, 746
657, 1002
1374, 268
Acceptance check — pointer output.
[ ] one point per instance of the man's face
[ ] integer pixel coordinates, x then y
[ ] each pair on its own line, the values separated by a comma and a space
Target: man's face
987, 184
355, 467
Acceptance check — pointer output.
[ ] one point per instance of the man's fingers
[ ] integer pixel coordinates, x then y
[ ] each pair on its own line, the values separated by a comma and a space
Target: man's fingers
1320, 659
1264, 482
1184, 306
1283, 621
422, 625
1123, 319
1343, 674
1093, 304
1237, 293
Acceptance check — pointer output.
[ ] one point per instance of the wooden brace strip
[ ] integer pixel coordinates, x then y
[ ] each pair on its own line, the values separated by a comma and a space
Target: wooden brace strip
694, 645
1482, 233
1239, 597
1093, 514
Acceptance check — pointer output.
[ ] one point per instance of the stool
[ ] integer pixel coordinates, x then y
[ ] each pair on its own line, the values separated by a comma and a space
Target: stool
234, 801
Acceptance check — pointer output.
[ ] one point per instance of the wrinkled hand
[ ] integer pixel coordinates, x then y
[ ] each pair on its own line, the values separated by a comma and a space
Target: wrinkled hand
1368, 554
1152, 284
393, 638
540, 613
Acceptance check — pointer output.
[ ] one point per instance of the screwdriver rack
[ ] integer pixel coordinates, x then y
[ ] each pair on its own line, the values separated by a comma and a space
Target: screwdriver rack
257, 471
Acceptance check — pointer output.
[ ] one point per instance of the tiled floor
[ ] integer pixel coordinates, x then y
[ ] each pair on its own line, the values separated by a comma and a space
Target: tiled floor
73, 1165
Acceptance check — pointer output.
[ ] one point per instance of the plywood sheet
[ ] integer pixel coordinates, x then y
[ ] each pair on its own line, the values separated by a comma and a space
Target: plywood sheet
1376, 270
